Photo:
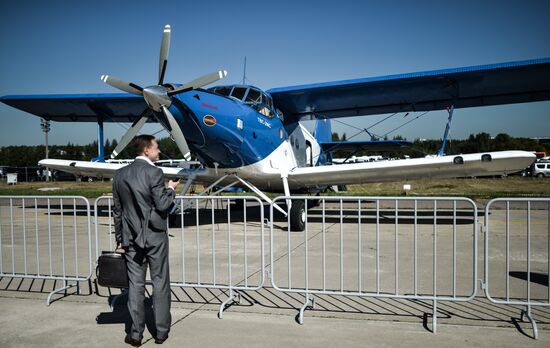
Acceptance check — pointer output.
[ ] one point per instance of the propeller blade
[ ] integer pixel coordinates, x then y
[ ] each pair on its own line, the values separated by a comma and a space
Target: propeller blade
176, 132
122, 85
131, 133
199, 82
164, 49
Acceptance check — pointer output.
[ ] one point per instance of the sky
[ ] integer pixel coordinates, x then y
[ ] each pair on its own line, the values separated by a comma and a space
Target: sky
65, 46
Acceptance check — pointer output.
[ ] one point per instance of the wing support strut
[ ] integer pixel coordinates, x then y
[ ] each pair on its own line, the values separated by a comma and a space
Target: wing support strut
100, 143
287, 190
447, 129
261, 194
256, 190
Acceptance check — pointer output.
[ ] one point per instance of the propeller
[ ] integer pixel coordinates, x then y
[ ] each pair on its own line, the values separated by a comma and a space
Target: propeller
159, 98
122, 85
131, 133
164, 49
176, 132
199, 82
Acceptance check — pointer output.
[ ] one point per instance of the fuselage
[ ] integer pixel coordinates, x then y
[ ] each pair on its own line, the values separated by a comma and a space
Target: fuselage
231, 127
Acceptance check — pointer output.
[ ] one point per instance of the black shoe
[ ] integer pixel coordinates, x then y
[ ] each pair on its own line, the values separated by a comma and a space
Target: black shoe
131, 341
161, 340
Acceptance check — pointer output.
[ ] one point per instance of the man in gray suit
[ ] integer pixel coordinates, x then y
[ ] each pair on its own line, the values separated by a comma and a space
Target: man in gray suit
141, 206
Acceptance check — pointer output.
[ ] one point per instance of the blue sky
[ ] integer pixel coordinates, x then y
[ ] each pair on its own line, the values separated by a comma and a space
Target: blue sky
65, 46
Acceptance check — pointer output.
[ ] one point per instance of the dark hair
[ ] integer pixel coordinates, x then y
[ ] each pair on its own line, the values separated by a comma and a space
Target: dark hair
141, 142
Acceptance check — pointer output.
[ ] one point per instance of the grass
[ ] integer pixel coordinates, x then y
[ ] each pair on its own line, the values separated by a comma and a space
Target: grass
86, 189
472, 188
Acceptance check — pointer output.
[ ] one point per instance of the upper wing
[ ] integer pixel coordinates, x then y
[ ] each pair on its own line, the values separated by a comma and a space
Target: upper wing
516, 82
478, 164
112, 107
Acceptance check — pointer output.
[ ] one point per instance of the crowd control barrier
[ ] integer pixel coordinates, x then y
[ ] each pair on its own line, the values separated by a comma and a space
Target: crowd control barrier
46, 238
357, 246
517, 244
216, 242
415, 248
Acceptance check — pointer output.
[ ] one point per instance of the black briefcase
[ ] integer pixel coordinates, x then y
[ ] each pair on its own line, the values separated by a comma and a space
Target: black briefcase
111, 270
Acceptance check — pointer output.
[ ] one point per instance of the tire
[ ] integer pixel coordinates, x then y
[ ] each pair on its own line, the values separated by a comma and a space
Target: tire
540, 175
298, 216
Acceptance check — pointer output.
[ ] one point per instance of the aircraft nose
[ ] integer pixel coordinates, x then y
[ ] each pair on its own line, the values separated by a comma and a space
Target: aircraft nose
156, 97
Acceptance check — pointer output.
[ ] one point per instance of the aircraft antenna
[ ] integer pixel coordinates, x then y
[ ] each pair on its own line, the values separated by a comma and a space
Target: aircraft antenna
244, 71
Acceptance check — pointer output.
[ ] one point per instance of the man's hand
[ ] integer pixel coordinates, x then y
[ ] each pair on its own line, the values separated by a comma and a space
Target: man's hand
119, 248
173, 184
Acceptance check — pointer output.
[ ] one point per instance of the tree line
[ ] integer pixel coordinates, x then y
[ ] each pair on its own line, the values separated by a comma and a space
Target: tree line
23, 156
28, 156
481, 142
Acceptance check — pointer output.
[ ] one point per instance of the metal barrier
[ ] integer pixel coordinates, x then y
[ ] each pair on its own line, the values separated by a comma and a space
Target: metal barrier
385, 247
46, 238
517, 245
359, 246
103, 216
206, 241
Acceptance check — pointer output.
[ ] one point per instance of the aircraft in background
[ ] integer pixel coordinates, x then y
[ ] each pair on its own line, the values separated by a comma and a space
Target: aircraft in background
244, 136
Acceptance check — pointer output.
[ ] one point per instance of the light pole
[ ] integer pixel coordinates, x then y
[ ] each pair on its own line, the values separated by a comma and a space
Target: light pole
45, 124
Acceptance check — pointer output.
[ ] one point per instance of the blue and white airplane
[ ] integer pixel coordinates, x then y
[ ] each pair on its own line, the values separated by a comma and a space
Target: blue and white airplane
247, 137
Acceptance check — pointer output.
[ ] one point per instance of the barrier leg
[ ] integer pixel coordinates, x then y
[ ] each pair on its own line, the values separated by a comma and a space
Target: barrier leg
234, 297
527, 313
308, 303
67, 286
434, 317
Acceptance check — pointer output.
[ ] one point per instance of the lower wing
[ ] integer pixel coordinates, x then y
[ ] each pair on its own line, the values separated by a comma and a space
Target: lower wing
107, 170
477, 164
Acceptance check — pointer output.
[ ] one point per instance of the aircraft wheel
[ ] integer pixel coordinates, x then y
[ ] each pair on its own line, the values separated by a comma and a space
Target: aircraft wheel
298, 216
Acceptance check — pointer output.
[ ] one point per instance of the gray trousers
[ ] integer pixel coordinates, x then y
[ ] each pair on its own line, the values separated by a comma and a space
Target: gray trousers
155, 254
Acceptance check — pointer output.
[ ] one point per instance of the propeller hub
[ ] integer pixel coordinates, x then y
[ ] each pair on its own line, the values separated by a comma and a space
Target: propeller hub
156, 97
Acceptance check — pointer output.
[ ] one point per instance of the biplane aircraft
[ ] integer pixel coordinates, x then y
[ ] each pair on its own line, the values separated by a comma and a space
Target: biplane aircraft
244, 136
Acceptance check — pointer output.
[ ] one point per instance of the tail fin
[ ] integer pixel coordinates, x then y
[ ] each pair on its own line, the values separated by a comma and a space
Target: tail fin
323, 130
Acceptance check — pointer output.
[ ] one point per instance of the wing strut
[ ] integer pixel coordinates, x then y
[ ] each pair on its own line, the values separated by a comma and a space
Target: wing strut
100, 144
447, 129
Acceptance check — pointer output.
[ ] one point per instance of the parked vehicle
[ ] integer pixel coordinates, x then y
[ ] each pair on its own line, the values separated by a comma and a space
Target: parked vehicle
541, 169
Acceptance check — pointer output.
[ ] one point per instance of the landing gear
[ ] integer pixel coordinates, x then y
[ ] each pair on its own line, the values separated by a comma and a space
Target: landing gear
298, 216
297, 212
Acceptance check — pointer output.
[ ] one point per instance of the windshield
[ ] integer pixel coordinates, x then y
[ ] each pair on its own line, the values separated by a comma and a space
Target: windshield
222, 90
253, 96
238, 92
260, 100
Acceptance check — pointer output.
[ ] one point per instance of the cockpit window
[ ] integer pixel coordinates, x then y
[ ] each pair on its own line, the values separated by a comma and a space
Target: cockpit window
253, 96
260, 100
222, 90
238, 92
267, 101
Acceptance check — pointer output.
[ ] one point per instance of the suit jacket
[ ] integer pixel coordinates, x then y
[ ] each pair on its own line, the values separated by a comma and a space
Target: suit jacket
141, 202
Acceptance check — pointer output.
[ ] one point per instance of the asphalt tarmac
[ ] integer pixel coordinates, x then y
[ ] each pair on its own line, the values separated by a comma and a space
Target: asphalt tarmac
341, 257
